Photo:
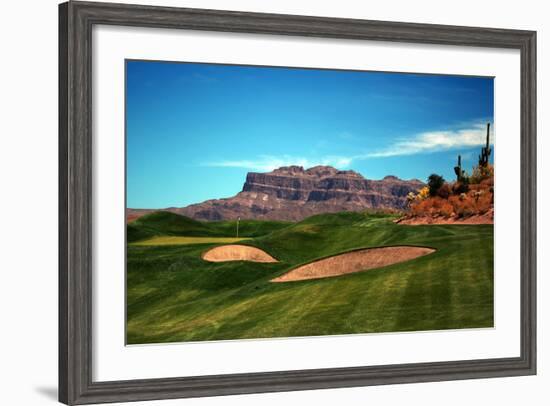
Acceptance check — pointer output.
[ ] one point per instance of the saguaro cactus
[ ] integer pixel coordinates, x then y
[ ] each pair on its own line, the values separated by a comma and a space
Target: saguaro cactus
485, 151
459, 171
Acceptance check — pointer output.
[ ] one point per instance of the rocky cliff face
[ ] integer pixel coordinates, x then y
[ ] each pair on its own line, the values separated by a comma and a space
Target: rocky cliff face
293, 193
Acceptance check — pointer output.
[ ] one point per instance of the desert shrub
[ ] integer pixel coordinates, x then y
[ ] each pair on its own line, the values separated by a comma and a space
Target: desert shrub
484, 202
469, 204
432, 207
488, 183
447, 210
464, 205
481, 173
460, 187
444, 191
477, 187
423, 193
421, 207
434, 183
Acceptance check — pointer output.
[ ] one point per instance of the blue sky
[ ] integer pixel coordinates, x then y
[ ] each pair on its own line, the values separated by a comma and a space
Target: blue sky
194, 130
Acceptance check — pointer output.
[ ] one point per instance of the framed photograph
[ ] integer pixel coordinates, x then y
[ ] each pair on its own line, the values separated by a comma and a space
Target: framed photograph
257, 202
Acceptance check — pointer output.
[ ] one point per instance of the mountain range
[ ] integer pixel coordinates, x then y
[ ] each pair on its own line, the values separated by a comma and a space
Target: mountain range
293, 193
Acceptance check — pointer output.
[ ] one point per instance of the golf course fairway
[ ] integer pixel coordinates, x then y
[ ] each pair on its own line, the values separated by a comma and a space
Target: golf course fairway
174, 295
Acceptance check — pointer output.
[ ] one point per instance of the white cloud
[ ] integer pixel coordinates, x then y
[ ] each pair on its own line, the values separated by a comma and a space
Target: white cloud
266, 163
432, 141
435, 141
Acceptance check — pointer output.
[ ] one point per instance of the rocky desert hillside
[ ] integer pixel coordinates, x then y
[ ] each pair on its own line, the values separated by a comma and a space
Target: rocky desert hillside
294, 193
470, 199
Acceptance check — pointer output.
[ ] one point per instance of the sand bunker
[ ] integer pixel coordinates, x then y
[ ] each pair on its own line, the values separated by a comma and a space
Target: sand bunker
354, 261
235, 252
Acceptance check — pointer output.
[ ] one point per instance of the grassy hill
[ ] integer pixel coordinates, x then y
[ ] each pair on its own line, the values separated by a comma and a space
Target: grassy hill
163, 223
173, 295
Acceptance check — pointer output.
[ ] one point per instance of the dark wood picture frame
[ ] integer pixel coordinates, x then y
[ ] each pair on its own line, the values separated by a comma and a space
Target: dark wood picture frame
76, 20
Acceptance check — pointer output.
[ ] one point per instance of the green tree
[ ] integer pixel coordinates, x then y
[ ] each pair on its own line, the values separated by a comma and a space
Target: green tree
434, 183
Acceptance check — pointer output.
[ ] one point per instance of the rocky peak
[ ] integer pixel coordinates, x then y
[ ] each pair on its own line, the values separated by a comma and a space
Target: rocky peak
292, 193
349, 174
322, 171
319, 171
291, 170
391, 177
